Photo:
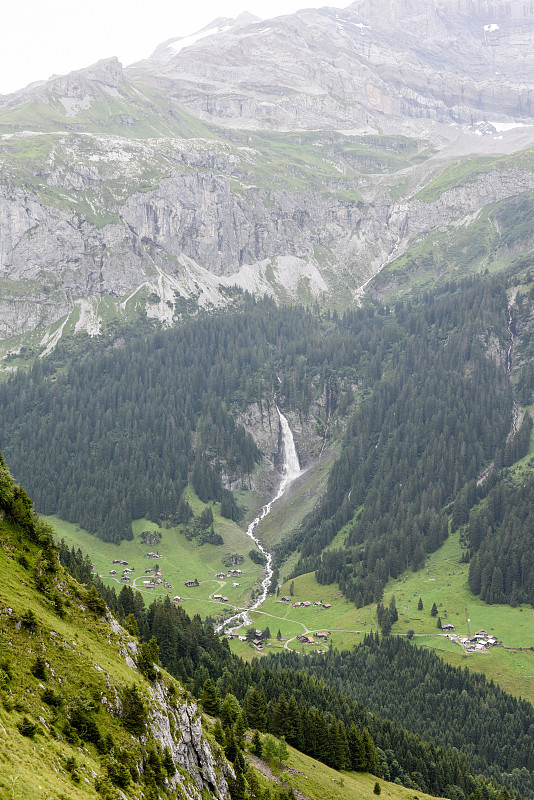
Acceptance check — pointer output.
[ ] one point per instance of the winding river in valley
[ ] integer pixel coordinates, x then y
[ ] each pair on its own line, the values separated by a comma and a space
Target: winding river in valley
290, 471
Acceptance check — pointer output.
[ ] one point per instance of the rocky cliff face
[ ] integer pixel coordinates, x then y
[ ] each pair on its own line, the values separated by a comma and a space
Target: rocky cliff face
204, 762
119, 197
440, 59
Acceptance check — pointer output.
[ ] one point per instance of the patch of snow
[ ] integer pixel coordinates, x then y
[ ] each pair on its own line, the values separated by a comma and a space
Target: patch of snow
89, 320
502, 127
490, 28
187, 41
73, 104
367, 130
361, 26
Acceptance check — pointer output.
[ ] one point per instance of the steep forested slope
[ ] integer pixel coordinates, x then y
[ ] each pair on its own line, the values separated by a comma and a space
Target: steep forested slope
447, 705
501, 536
440, 409
115, 435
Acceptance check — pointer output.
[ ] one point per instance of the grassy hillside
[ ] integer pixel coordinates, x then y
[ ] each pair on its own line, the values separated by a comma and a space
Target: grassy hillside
311, 779
67, 673
182, 560
492, 239
443, 581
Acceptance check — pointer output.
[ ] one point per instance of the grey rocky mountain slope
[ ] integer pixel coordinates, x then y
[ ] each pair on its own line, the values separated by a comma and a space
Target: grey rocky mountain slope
448, 60
120, 196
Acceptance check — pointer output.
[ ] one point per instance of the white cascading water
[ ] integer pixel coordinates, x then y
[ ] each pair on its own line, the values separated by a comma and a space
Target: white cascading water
290, 471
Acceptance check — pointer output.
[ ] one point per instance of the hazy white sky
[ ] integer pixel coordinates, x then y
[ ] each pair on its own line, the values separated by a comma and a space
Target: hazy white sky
41, 37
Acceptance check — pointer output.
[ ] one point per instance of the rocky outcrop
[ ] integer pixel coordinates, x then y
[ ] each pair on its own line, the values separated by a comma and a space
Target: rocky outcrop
177, 725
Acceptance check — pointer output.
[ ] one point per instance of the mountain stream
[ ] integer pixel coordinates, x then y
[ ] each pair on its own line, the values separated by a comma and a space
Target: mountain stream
290, 471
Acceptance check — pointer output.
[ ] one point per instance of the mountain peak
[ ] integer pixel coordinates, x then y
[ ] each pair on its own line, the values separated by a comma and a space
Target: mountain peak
221, 25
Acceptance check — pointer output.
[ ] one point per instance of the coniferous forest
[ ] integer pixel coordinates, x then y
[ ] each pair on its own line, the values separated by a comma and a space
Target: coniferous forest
500, 534
115, 436
439, 411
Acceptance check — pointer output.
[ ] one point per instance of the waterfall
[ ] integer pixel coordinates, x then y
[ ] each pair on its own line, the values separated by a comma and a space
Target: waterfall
511, 345
290, 471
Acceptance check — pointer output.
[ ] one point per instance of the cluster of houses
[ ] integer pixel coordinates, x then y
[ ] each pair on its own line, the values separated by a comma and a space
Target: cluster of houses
305, 639
151, 583
125, 578
305, 603
480, 641
220, 598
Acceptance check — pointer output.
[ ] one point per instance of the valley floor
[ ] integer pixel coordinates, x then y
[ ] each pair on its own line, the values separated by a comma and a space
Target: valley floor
443, 581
